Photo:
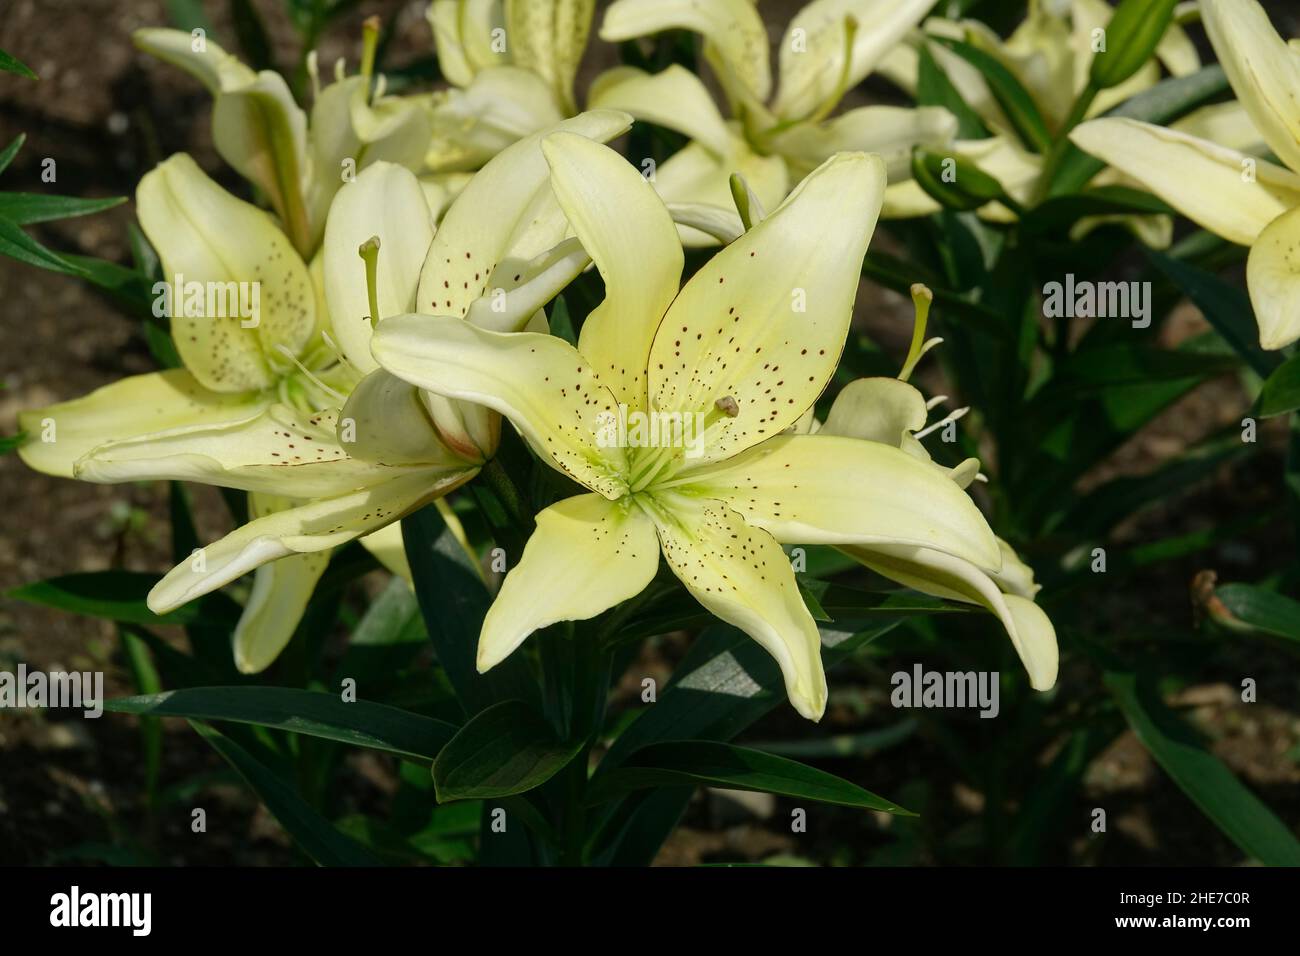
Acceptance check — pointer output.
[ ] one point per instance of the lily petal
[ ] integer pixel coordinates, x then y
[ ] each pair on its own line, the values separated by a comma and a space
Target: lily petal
277, 600
385, 201
539, 382
890, 131
1263, 70
387, 422
695, 175
942, 575
674, 98
501, 105
206, 235
586, 555
549, 39
279, 450
389, 549
628, 232
741, 575
823, 489
313, 527
59, 435
1202, 180
764, 321
484, 230
735, 37
1273, 278
813, 67
876, 409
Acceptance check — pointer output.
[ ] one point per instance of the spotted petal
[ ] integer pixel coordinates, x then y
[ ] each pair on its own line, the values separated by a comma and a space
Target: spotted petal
763, 323
586, 555
625, 228
741, 575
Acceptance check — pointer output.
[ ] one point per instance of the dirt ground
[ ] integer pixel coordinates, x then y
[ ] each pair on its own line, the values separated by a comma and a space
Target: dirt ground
71, 789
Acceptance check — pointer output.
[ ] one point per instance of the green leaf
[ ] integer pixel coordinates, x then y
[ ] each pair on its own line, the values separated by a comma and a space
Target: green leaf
1281, 391
120, 596
26, 208
1225, 306
507, 749
10, 151
1259, 609
1014, 99
11, 64
1059, 213
317, 837
1134, 30
18, 245
454, 600
1161, 105
359, 723
700, 763
1202, 776
934, 88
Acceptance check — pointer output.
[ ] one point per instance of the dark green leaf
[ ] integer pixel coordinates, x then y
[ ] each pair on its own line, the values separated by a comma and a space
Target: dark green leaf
317, 837
933, 88
507, 749
359, 723
26, 208
11, 64
252, 35
1202, 776
1225, 306
1281, 391
701, 763
120, 596
1014, 99
1260, 609
9, 152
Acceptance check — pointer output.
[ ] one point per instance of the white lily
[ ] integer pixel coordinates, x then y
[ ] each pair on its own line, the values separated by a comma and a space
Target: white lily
772, 141
261, 131
1218, 184
733, 350
253, 407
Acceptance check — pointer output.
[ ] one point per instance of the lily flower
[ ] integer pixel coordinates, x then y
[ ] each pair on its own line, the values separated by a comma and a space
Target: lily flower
354, 459
772, 141
252, 405
1050, 54
894, 413
735, 357
1217, 183
265, 136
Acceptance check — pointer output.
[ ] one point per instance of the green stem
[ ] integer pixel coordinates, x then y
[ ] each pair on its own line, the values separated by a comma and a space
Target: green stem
507, 491
1062, 142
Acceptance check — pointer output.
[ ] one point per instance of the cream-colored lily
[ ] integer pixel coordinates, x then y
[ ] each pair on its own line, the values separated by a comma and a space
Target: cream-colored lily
1218, 184
894, 413
772, 141
737, 355
254, 405
261, 131
511, 64
355, 471
1050, 54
